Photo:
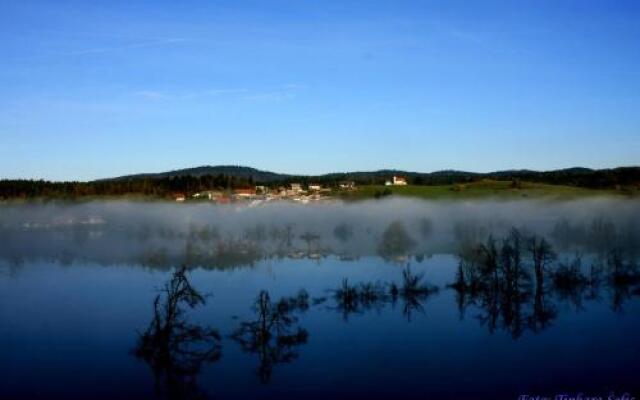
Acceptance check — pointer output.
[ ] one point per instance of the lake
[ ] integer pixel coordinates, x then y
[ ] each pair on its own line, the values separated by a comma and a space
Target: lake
378, 299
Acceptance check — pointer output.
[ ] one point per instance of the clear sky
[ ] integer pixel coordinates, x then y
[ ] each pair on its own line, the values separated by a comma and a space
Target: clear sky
92, 89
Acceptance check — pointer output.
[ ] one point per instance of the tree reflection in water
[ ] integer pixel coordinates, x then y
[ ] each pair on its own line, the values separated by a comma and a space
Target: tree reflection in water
175, 349
513, 283
356, 299
495, 278
274, 335
396, 243
413, 293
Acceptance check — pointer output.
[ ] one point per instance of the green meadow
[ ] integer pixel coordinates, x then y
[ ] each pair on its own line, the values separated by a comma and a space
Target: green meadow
488, 189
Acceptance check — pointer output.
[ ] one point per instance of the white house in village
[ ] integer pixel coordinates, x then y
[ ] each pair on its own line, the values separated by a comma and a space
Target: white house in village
316, 187
397, 181
282, 191
296, 187
246, 192
208, 194
347, 185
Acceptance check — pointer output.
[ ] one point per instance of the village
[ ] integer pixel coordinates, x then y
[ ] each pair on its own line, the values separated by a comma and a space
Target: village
297, 192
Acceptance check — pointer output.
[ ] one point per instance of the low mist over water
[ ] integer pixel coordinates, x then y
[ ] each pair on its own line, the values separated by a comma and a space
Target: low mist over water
167, 234
360, 299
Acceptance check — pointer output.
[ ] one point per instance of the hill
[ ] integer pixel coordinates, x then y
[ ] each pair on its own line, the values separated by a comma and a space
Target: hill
583, 177
235, 171
192, 180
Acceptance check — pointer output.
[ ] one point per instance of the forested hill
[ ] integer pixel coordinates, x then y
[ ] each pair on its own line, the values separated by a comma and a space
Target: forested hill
238, 172
584, 177
225, 177
572, 176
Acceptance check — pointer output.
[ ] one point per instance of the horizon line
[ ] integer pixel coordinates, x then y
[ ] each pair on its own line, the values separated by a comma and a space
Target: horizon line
132, 175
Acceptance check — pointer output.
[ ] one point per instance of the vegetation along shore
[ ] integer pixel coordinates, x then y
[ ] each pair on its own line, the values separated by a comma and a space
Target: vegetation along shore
224, 184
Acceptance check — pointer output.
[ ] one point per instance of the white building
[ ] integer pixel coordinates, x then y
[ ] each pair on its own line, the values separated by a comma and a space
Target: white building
347, 185
399, 180
208, 194
296, 188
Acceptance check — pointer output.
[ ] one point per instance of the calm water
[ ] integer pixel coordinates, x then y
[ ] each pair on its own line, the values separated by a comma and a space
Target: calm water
392, 298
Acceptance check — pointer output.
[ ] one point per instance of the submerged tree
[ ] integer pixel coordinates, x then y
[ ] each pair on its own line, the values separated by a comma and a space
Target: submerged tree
355, 299
274, 335
175, 349
425, 226
395, 241
413, 292
495, 278
571, 284
623, 277
343, 232
542, 255
312, 240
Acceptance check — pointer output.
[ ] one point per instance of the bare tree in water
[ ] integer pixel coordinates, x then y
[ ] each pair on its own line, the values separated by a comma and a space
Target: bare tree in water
355, 299
175, 349
495, 279
395, 242
413, 292
274, 335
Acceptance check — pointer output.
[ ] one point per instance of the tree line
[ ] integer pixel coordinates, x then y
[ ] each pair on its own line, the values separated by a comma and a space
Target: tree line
154, 187
165, 186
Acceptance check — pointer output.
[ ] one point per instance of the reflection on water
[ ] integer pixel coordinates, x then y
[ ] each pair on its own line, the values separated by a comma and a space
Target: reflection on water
356, 299
274, 335
316, 288
395, 241
174, 348
512, 284
162, 235
509, 291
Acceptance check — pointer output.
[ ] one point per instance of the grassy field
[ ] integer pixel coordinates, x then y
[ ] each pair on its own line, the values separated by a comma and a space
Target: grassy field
488, 189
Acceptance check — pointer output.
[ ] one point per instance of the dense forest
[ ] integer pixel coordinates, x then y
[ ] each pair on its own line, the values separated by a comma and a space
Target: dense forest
229, 177
155, 187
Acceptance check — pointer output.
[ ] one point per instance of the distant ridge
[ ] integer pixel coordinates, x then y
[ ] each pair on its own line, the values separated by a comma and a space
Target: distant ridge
242, 172
224, 177
236, 171
572, 176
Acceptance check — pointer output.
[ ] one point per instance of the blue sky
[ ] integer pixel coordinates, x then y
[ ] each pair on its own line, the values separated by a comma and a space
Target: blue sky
92, 89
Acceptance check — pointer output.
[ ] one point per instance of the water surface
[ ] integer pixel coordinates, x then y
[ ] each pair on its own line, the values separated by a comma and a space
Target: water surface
393, 298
